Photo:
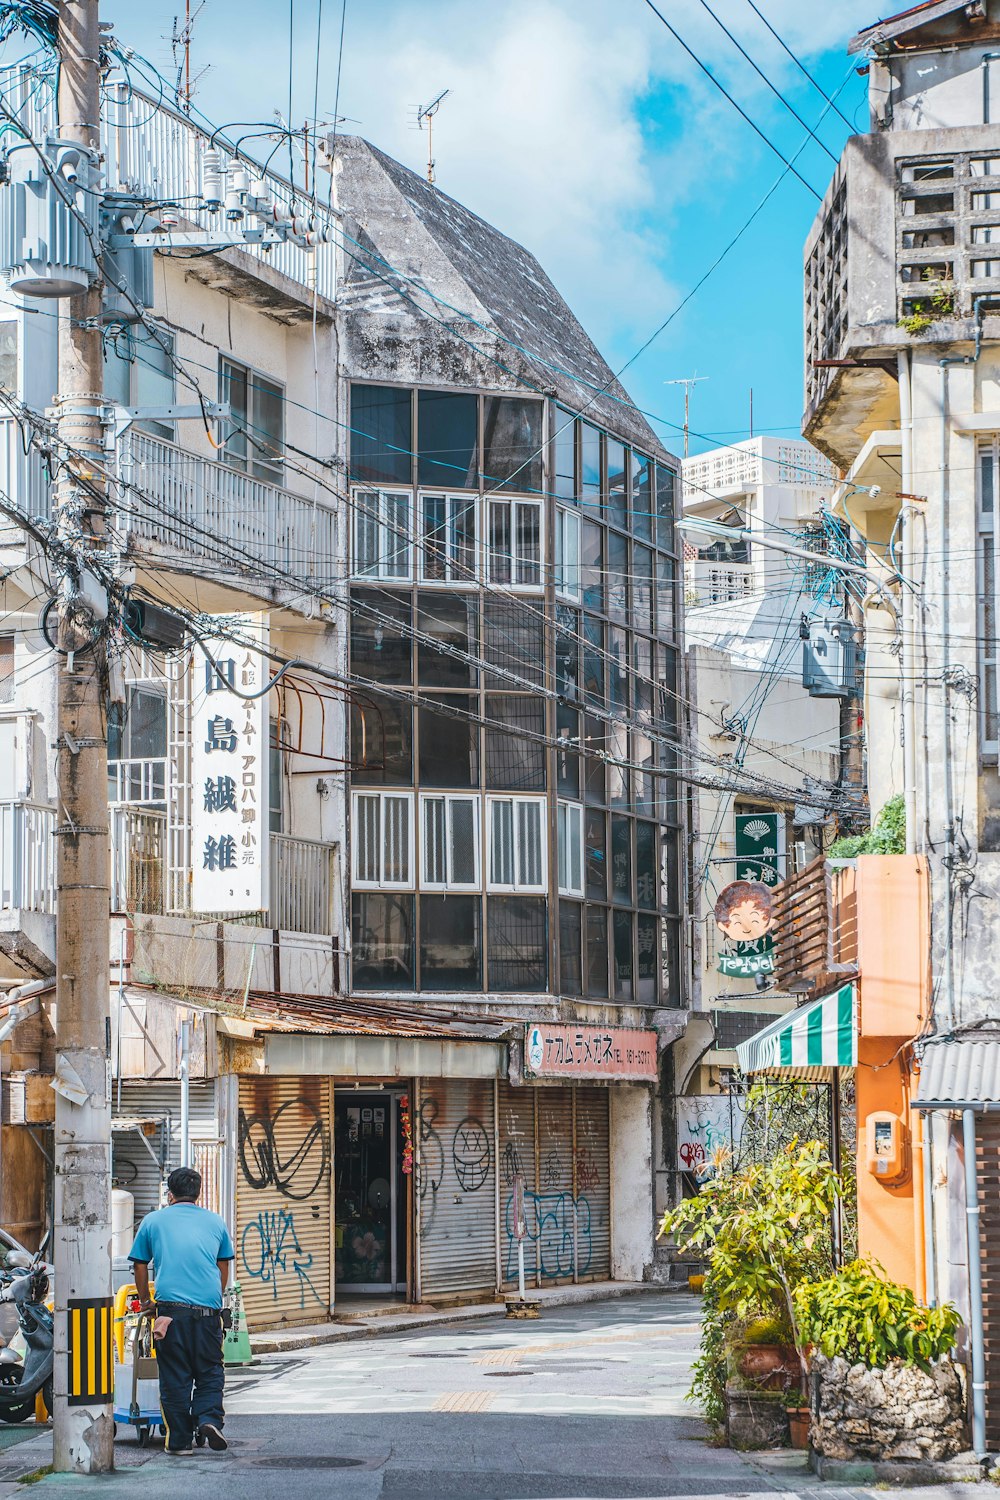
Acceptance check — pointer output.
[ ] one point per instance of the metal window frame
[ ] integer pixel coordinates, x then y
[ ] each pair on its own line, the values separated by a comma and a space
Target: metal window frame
515, 582
453, 578
565, 514
518, 887
276, 466
987, 527
450, 883
566, 812
380, 575
380, 883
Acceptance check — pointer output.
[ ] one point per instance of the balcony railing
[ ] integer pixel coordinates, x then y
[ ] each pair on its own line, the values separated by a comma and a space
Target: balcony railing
27, 857
301, 874
816, 928
198, 506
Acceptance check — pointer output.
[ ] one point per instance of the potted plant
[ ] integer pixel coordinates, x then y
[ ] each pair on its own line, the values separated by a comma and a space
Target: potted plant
766, 1352
884, 1387
799, 1417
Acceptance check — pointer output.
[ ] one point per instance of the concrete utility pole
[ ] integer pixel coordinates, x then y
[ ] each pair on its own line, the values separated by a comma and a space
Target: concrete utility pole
84, 1368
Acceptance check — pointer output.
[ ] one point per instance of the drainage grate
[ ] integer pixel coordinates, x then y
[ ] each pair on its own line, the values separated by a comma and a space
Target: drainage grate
306, 1461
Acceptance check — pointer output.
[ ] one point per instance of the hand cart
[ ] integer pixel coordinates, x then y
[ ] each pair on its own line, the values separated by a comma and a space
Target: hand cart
137, 1385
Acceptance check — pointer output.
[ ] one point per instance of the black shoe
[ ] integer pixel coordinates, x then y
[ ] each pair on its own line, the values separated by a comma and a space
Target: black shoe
179, 1452
213, 1437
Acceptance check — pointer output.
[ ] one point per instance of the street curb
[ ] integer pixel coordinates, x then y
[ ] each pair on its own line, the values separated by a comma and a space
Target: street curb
276, 1342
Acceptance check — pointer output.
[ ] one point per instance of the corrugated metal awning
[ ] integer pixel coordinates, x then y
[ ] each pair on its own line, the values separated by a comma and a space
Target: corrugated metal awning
808, 1042
382, 1056
960, 1074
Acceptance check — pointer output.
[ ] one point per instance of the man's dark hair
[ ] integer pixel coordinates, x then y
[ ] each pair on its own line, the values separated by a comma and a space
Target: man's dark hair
184, 1183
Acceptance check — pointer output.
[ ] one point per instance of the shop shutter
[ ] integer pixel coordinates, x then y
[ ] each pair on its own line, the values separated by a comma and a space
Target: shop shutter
455, 1188
554, 1225
283, 1191
516, 1120
132, 1166
988, 1177
593, 1184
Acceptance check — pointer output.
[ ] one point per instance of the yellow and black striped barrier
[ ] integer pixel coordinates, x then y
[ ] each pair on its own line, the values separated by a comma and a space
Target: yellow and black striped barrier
91, 1350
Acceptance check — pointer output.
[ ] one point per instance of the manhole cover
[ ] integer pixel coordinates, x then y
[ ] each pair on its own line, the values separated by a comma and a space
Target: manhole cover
305, 1461
506, 1374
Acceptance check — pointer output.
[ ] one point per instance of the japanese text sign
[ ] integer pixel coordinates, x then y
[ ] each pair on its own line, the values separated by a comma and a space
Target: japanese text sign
553, 1051
230, 761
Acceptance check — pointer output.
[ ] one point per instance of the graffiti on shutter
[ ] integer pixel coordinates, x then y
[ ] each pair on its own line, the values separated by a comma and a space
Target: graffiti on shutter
455, 1187
593, 1182
283, 1200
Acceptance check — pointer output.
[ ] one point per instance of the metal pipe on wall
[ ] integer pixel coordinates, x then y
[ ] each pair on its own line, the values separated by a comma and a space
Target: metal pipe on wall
908, 605
185, 1072
978, 1382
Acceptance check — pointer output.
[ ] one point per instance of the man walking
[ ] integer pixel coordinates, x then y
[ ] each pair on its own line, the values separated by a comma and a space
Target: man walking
191, 1251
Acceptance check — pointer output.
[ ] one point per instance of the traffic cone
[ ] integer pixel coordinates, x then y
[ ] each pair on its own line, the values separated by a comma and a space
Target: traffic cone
236, 1340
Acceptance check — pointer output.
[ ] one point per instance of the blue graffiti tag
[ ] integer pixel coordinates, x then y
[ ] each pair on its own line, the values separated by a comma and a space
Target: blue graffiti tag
549, 1218
276, 1242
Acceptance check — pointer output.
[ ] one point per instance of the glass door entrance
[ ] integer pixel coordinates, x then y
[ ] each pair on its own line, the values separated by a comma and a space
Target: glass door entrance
370, 1222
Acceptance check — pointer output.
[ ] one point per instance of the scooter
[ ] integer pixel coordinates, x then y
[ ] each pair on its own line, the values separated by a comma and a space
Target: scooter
24, 1281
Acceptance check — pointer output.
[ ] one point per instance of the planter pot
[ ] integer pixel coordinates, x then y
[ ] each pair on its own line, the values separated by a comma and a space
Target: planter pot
799, 1419
769, 1366
755, 1419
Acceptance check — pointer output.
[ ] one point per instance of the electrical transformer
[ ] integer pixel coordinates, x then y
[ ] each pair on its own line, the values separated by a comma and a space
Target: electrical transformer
49, 214
832, 660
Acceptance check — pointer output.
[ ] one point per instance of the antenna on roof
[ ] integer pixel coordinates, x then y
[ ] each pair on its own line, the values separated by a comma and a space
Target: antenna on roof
180, 43
687, 381
427, 112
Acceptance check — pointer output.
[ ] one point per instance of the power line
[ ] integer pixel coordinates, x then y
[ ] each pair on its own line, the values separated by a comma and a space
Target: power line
800, 65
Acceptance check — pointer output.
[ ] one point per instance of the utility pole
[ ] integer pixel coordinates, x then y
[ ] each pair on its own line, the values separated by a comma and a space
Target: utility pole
84, 1368
687, 382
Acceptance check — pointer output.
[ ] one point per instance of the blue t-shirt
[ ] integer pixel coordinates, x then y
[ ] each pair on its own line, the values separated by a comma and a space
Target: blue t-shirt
184, 1242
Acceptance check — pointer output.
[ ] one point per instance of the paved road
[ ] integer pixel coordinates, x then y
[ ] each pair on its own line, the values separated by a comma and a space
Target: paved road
586, 1402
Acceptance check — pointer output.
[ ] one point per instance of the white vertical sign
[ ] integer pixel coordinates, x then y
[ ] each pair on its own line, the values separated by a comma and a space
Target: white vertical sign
230, 762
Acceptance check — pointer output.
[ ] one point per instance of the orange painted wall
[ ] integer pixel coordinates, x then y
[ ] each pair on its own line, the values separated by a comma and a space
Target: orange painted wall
894, 989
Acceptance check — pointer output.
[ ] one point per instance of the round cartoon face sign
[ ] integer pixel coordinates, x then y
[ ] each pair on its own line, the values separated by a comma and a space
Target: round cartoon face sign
745, 911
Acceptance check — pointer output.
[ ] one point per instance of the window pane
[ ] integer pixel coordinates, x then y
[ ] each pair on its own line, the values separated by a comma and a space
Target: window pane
382, 941
146, 729
452, 623
450, 945
515, 755
528, 543
433, 562
567, 761
462, 536
619, 777
592, 566
8, 356
367, 514
267, 427
648, 956
986, 481
645, 865
665, 484
381, 740
622, 924
464, 818
381, 637
501, 843
396, 841
621, 861
514, 639
595, 780
618, 673
529, 843
597, 951
500, 560
7, 671
396, 536
670, 965
512, 435
448, 439
670, 897
153, 377
381, 434
565, 454
617, 576
517, 938
617, 512
567, 653
596, 843
234, 389
593, 660
642, 497
645, 782
449, 743
570, 960
642, 588
368, 839
435, 836
590, 467
665, 581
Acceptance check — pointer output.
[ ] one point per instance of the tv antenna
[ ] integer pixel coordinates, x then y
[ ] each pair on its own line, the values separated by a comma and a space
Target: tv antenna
180, 44
687, 381
427, 112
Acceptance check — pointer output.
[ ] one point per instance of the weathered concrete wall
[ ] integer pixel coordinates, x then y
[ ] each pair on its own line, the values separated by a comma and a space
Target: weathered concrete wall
632, 1182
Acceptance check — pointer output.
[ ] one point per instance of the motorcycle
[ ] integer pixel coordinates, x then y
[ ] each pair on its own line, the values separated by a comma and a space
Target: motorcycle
24, 1282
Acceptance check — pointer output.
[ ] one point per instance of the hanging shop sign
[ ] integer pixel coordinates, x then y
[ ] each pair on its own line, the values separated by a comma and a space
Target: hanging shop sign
744, 914
760, 847
589, 1052
230, 806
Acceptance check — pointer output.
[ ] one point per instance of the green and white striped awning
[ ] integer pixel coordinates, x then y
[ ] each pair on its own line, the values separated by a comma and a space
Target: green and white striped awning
807, 1042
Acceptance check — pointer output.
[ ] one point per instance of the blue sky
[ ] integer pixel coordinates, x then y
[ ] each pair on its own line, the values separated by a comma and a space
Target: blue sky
581, 128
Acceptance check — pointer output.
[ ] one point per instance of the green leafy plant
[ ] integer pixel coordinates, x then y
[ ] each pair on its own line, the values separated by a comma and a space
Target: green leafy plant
888, 836
763, 1230
868, 1320
768, 1330
940, 303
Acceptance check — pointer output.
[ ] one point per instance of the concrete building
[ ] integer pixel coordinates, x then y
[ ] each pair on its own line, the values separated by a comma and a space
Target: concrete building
902, 377
463, 959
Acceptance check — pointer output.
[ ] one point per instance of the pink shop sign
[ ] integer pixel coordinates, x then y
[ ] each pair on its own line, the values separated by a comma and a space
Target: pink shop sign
589, 1052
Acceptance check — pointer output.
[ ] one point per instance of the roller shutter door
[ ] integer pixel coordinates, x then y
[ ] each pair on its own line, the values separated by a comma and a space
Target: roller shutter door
283, 1200
456, 1188
516, 1119
591, 1159
554, 1226
133, 1167
988, 1177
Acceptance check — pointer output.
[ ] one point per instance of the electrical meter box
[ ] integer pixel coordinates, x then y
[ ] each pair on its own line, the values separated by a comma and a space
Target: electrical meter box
49, 219
887, 1147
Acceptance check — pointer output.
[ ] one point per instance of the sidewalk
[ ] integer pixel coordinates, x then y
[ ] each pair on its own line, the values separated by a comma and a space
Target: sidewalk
399, 1319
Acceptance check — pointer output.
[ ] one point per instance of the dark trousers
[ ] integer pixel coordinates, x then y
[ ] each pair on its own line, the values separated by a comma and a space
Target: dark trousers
192, 1376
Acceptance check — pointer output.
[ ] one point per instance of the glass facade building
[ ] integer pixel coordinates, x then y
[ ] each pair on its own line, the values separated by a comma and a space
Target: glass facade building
514, 710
